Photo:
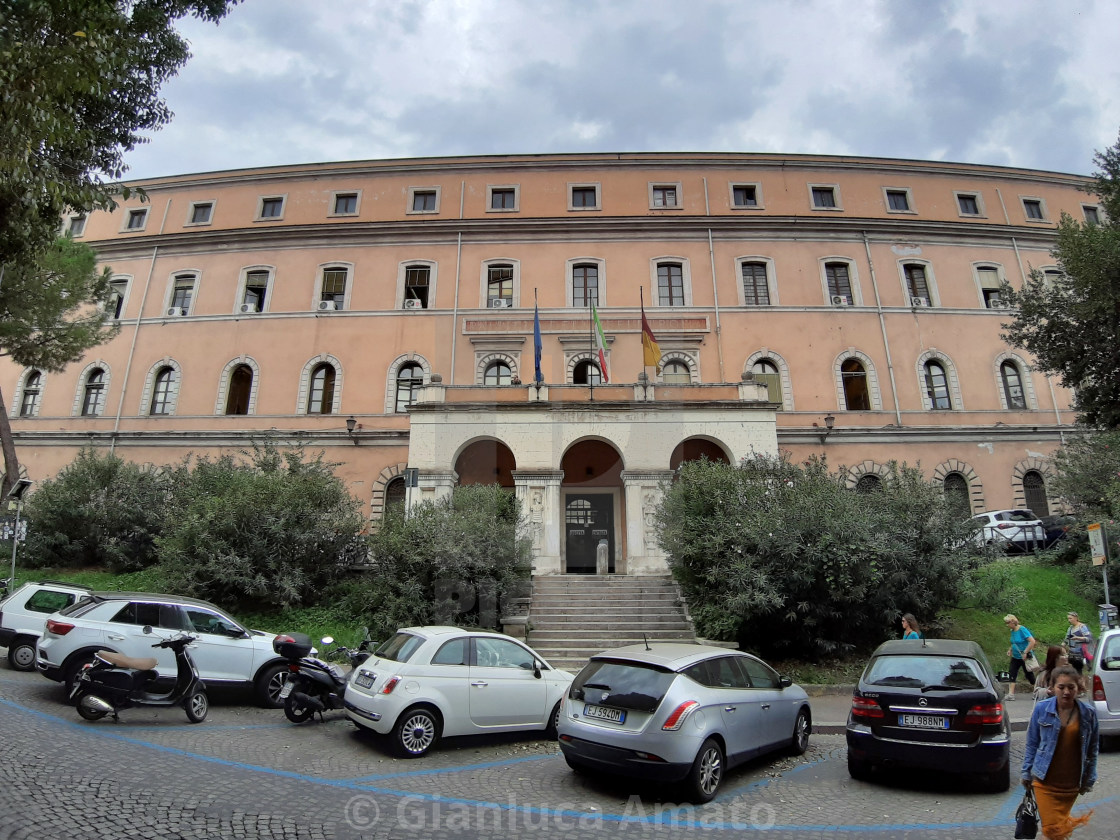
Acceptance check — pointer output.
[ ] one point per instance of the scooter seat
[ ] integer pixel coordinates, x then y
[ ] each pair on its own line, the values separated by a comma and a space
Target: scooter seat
119, 660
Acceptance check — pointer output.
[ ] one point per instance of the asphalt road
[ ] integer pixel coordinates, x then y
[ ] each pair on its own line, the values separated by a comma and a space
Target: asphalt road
247, 772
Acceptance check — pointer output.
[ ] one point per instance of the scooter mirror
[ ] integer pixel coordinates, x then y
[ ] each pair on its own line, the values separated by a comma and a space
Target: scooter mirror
148, 629
328, 640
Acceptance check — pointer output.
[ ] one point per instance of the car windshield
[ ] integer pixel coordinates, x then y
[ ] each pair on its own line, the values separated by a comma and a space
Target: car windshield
399, 647
624, 685
950, 673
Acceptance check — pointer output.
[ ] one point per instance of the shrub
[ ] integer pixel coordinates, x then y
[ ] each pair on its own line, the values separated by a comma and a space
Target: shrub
269, 530
99, 511
449, 561
786, 559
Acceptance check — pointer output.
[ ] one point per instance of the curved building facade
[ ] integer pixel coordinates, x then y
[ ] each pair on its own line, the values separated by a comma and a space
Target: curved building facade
385, 312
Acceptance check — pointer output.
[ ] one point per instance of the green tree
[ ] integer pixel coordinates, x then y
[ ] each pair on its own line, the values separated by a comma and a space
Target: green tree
51, 312
270, 529
99, 511
1071, 323
454, 560
79, 83
787, 560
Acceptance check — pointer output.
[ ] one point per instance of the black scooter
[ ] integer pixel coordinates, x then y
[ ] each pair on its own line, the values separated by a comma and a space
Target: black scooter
314, 685
113, 682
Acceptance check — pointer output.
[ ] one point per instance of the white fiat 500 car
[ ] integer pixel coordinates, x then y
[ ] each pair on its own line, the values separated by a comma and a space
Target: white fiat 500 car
675, 712
426, 683
226, 653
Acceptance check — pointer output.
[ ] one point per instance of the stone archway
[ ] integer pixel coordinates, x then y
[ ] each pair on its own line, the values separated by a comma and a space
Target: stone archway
486, 462
592, 506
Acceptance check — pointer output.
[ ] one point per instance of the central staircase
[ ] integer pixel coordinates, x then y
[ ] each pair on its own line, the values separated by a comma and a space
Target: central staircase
572, 617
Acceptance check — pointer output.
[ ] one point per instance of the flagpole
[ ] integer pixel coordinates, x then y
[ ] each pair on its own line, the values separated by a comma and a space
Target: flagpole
590, 340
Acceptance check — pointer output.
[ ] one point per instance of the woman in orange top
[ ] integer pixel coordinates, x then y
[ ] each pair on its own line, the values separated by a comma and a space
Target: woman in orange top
1061, 757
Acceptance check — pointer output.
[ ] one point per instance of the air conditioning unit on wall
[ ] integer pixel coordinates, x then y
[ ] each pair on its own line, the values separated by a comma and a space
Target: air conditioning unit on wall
841, 300
413, 303
919, 301
500, 303
248, 308
996, 303
327, 306
176, 312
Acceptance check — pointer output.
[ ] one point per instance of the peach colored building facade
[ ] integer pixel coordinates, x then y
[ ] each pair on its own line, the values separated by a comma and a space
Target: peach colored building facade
783, 290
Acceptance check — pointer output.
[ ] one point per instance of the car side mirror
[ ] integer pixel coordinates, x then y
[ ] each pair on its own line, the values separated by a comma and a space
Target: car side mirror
784, 682
148, 629
537, 665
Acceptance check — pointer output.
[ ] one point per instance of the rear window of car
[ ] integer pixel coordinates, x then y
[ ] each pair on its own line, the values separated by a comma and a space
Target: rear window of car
49, 601
923, 671
81, 607
1018, 516
1109, 653
399, 647
624, 685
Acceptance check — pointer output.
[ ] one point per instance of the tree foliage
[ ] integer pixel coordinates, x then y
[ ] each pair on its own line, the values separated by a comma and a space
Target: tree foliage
451, 561
99, 511
787, 560
1071, 324
270, 529
80, 82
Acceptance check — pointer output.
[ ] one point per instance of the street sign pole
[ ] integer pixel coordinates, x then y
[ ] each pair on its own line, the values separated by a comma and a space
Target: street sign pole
1098, 545
15, 542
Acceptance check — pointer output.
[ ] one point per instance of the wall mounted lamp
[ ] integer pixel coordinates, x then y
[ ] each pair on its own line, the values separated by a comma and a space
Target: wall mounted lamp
351, 425
829, 425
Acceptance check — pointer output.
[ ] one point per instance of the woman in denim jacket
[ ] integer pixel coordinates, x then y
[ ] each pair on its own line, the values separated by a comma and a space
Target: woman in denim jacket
1061, 757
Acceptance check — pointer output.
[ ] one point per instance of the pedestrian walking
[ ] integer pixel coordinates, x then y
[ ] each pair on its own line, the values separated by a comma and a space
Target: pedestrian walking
1079, 640
1055, 656
1060, 762
1022, 643
910, 627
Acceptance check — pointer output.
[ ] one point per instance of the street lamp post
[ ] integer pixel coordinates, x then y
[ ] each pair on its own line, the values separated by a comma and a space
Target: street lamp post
16, 494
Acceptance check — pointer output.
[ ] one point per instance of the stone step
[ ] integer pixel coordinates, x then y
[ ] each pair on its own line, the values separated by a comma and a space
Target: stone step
607, 622
557, 637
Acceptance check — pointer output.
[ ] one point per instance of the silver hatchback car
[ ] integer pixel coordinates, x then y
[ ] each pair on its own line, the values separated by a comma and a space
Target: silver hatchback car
1104, 683
679, 712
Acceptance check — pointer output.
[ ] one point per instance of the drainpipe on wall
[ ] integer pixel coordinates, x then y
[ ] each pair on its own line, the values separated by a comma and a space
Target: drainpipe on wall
883, 330
136, 333
715, 287
458, 265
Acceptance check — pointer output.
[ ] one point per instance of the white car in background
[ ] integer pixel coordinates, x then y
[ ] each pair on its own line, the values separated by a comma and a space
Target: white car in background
227, 654
427, 683
1012, 530
1104, 684
24, 613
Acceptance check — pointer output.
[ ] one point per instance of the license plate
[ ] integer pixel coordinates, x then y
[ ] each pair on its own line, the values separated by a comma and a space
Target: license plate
365, 679
286, 690
924, 721
601, 713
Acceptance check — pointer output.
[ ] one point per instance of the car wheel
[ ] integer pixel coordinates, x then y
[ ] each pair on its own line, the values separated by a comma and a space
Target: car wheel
269, 684
196, 706
296, 709
21, 656
999, 781
858, 769
73, 669
416, 732
799, 743
706, 773
553, 722
577, 765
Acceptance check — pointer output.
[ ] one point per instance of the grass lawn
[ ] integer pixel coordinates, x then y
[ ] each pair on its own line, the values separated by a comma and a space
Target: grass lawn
1049, 596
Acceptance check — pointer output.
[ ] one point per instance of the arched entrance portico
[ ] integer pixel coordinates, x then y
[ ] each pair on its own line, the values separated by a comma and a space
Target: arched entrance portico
486, 462
591, 493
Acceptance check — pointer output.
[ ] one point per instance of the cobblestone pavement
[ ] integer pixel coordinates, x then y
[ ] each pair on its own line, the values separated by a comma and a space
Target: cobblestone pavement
247, 772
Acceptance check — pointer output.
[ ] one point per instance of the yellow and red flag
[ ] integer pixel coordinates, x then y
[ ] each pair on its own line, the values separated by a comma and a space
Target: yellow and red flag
651, 350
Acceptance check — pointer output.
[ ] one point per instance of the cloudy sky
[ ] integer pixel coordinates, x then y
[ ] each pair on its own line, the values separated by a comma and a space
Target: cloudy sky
1025, 83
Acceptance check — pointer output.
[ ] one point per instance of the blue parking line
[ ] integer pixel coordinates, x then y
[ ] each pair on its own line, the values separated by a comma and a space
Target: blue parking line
666, 817
436, 771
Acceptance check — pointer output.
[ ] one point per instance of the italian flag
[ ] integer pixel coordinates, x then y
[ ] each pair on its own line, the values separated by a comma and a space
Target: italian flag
600, 344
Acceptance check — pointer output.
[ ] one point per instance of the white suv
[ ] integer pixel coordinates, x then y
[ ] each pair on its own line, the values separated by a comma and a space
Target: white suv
23, 617
226, 653
1017, 529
